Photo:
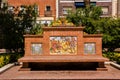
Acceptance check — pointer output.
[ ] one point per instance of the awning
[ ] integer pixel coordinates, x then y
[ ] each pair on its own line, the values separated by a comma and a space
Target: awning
78, 4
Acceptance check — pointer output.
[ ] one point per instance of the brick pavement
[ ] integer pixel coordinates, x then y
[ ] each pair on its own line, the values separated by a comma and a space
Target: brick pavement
14, 74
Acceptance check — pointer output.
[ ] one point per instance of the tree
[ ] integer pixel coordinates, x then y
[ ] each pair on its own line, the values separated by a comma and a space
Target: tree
87, 2
83, 16
14, 25
111, 31
90, 18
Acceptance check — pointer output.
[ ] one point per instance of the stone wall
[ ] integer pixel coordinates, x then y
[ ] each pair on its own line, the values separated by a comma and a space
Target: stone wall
65, 32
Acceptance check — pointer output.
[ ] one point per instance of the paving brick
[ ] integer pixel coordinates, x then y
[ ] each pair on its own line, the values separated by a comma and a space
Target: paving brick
14, 73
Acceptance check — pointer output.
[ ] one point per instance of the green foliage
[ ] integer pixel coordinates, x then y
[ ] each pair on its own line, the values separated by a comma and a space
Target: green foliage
1, 61
37, 29
112, 56
83, 16
111, 30
14, 25
90, 18
6, 58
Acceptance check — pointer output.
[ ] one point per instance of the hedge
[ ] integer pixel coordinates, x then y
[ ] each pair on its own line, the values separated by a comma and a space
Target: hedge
113, 56
6, 58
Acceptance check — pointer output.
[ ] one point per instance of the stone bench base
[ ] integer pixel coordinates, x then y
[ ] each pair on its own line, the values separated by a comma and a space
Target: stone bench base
102, 69
24, 69
63, 59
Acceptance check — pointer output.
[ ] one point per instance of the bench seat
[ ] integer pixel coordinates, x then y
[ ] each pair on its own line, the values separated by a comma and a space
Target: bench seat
63, 59
46, 59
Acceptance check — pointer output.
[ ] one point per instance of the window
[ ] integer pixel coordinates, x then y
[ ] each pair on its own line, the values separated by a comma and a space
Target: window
79, 4
105, 10
66, 9
89, 48
36, 48
93, 3
48, 8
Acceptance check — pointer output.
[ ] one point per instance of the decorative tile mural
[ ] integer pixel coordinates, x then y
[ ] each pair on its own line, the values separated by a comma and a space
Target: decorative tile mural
63, 45
36, 48
89, 48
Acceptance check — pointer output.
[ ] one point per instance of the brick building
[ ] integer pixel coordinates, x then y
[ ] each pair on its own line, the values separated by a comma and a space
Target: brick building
46, 8
114, 8
106, 6
50, 10
118, 8
65, 5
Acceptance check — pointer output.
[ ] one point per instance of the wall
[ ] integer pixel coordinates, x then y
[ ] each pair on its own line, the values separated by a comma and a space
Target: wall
106, 4
63, 31
102, 3
41, 3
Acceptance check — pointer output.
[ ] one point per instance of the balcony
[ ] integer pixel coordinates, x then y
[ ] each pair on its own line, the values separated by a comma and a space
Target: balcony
48, 13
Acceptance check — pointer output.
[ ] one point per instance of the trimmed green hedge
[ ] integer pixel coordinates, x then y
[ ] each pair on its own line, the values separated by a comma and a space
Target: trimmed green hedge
113, 56
6, 58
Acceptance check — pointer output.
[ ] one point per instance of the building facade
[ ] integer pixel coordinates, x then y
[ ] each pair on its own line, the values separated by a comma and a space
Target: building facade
114, 8
50, 10
106, 6
118, 8
65, 5
46, 8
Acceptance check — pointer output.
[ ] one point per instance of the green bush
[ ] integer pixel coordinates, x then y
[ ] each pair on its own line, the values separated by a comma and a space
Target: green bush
1, 61
113, 56
6, 58
117, 58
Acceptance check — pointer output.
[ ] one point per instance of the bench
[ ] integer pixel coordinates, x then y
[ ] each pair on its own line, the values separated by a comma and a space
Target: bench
51, 59
63, 45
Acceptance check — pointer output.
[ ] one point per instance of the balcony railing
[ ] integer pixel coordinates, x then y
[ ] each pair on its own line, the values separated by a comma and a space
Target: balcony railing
48, 14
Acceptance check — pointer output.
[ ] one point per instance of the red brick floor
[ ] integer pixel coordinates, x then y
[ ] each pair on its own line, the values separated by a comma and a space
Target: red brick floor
13, 73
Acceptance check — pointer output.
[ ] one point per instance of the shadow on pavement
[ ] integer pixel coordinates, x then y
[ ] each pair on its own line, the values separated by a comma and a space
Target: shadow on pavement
63, 66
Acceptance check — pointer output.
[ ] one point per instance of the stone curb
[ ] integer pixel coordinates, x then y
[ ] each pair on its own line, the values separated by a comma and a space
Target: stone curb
113, 64
4, 68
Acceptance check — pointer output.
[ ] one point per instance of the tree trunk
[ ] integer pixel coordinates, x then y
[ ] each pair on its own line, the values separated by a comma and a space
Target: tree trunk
87, 2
